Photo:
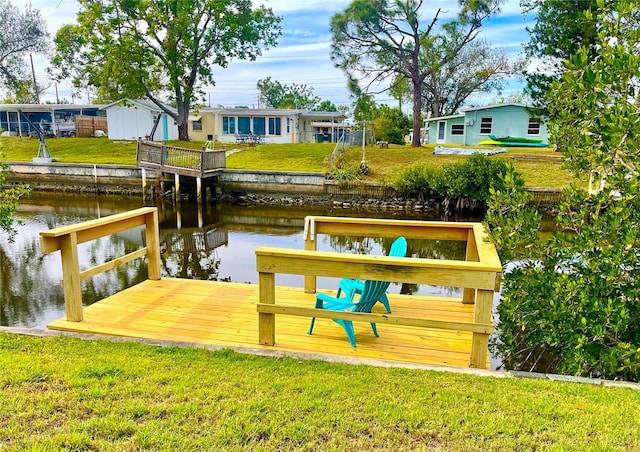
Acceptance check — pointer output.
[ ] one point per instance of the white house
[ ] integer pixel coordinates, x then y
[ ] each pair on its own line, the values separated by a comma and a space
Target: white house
270, 125
132, 119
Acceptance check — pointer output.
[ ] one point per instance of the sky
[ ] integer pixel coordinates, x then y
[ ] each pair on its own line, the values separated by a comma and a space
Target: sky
302, 55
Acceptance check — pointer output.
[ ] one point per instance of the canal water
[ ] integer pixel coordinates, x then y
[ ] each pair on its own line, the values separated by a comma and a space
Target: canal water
208, 242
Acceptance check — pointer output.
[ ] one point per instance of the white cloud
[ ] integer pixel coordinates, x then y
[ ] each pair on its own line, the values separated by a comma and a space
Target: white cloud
303, 55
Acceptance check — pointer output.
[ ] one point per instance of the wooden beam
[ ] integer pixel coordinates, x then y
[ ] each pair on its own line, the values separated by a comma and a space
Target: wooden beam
310, 244
110, 265
375, 227
152, 235
71, 276
383, 268
483, 313
487, 253
93, 229
389, 319
266, 321
469, 294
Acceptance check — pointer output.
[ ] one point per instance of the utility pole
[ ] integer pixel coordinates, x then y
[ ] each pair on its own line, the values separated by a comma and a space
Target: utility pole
35, 83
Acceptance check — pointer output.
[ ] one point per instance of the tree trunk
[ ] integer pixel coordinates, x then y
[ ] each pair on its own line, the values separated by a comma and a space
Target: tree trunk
183, 104
417, 114
183, 131
183, 120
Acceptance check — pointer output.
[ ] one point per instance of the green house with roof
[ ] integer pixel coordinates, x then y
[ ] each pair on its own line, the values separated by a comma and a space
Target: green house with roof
475, 124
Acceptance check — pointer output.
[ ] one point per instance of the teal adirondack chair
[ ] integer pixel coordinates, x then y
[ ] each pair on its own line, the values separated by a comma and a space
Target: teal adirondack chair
371, 293
350, 287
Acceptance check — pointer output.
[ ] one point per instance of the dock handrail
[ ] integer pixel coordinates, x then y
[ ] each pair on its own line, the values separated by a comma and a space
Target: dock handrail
479, 274
67, 238
478, 248
173, 159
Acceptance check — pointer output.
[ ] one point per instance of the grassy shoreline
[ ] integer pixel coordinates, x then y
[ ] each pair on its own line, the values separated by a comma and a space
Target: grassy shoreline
385, 164
62, 392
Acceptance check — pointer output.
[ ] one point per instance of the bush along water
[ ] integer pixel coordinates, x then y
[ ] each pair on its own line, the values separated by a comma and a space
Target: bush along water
459, 187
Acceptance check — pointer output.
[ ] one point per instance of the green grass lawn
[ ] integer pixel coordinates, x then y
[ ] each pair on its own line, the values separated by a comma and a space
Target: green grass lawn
385, 164
62, 393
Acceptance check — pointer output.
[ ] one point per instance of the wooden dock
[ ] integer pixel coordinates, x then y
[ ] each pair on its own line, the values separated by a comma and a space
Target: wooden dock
429, 330
221, 313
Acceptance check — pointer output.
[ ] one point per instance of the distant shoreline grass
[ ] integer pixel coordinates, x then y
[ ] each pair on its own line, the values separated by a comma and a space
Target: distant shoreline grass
385, 164
66, 393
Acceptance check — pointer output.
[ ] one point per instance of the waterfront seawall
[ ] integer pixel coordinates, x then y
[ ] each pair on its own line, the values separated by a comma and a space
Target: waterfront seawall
127, 179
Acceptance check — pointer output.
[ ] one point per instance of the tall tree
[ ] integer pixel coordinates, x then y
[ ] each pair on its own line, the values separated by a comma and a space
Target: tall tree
21, 33
274, 94
560, 29
326, 105
476, 68
400, 89
379, 39
160, 48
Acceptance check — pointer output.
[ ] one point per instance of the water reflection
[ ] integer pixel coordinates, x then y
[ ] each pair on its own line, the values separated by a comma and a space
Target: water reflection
209, 242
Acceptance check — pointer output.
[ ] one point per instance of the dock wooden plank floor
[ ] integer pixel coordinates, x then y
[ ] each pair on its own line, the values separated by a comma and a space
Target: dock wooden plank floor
223, 313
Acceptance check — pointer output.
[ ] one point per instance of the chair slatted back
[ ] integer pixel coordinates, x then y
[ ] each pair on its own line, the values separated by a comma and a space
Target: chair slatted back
372, 292
398, 248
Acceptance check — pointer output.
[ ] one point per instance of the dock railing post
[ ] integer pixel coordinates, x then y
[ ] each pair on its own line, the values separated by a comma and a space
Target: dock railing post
480, 341
71, 277
469, 295
310, 244
267, 321
153, 244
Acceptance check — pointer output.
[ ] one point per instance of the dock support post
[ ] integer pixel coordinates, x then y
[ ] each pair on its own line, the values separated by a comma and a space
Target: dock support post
480, 341
177, 186
199, 189
267, 321
144, 184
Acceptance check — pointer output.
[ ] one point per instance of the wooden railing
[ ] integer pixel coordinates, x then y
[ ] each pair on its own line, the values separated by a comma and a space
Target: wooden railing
67, 238
186, 162
479, 274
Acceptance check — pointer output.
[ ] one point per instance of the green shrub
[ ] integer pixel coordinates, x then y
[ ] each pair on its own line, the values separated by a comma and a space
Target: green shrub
462, 186
392, 135
345, 173
473, 178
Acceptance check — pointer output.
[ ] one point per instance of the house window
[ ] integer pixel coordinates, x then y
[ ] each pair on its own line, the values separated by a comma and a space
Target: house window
485, 125
197, 125
534, 127
258, 126
228, 125
274, 126
457, 129
244, 125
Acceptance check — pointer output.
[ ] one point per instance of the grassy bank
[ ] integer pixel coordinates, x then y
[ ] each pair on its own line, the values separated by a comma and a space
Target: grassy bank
385, 164
65, 393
